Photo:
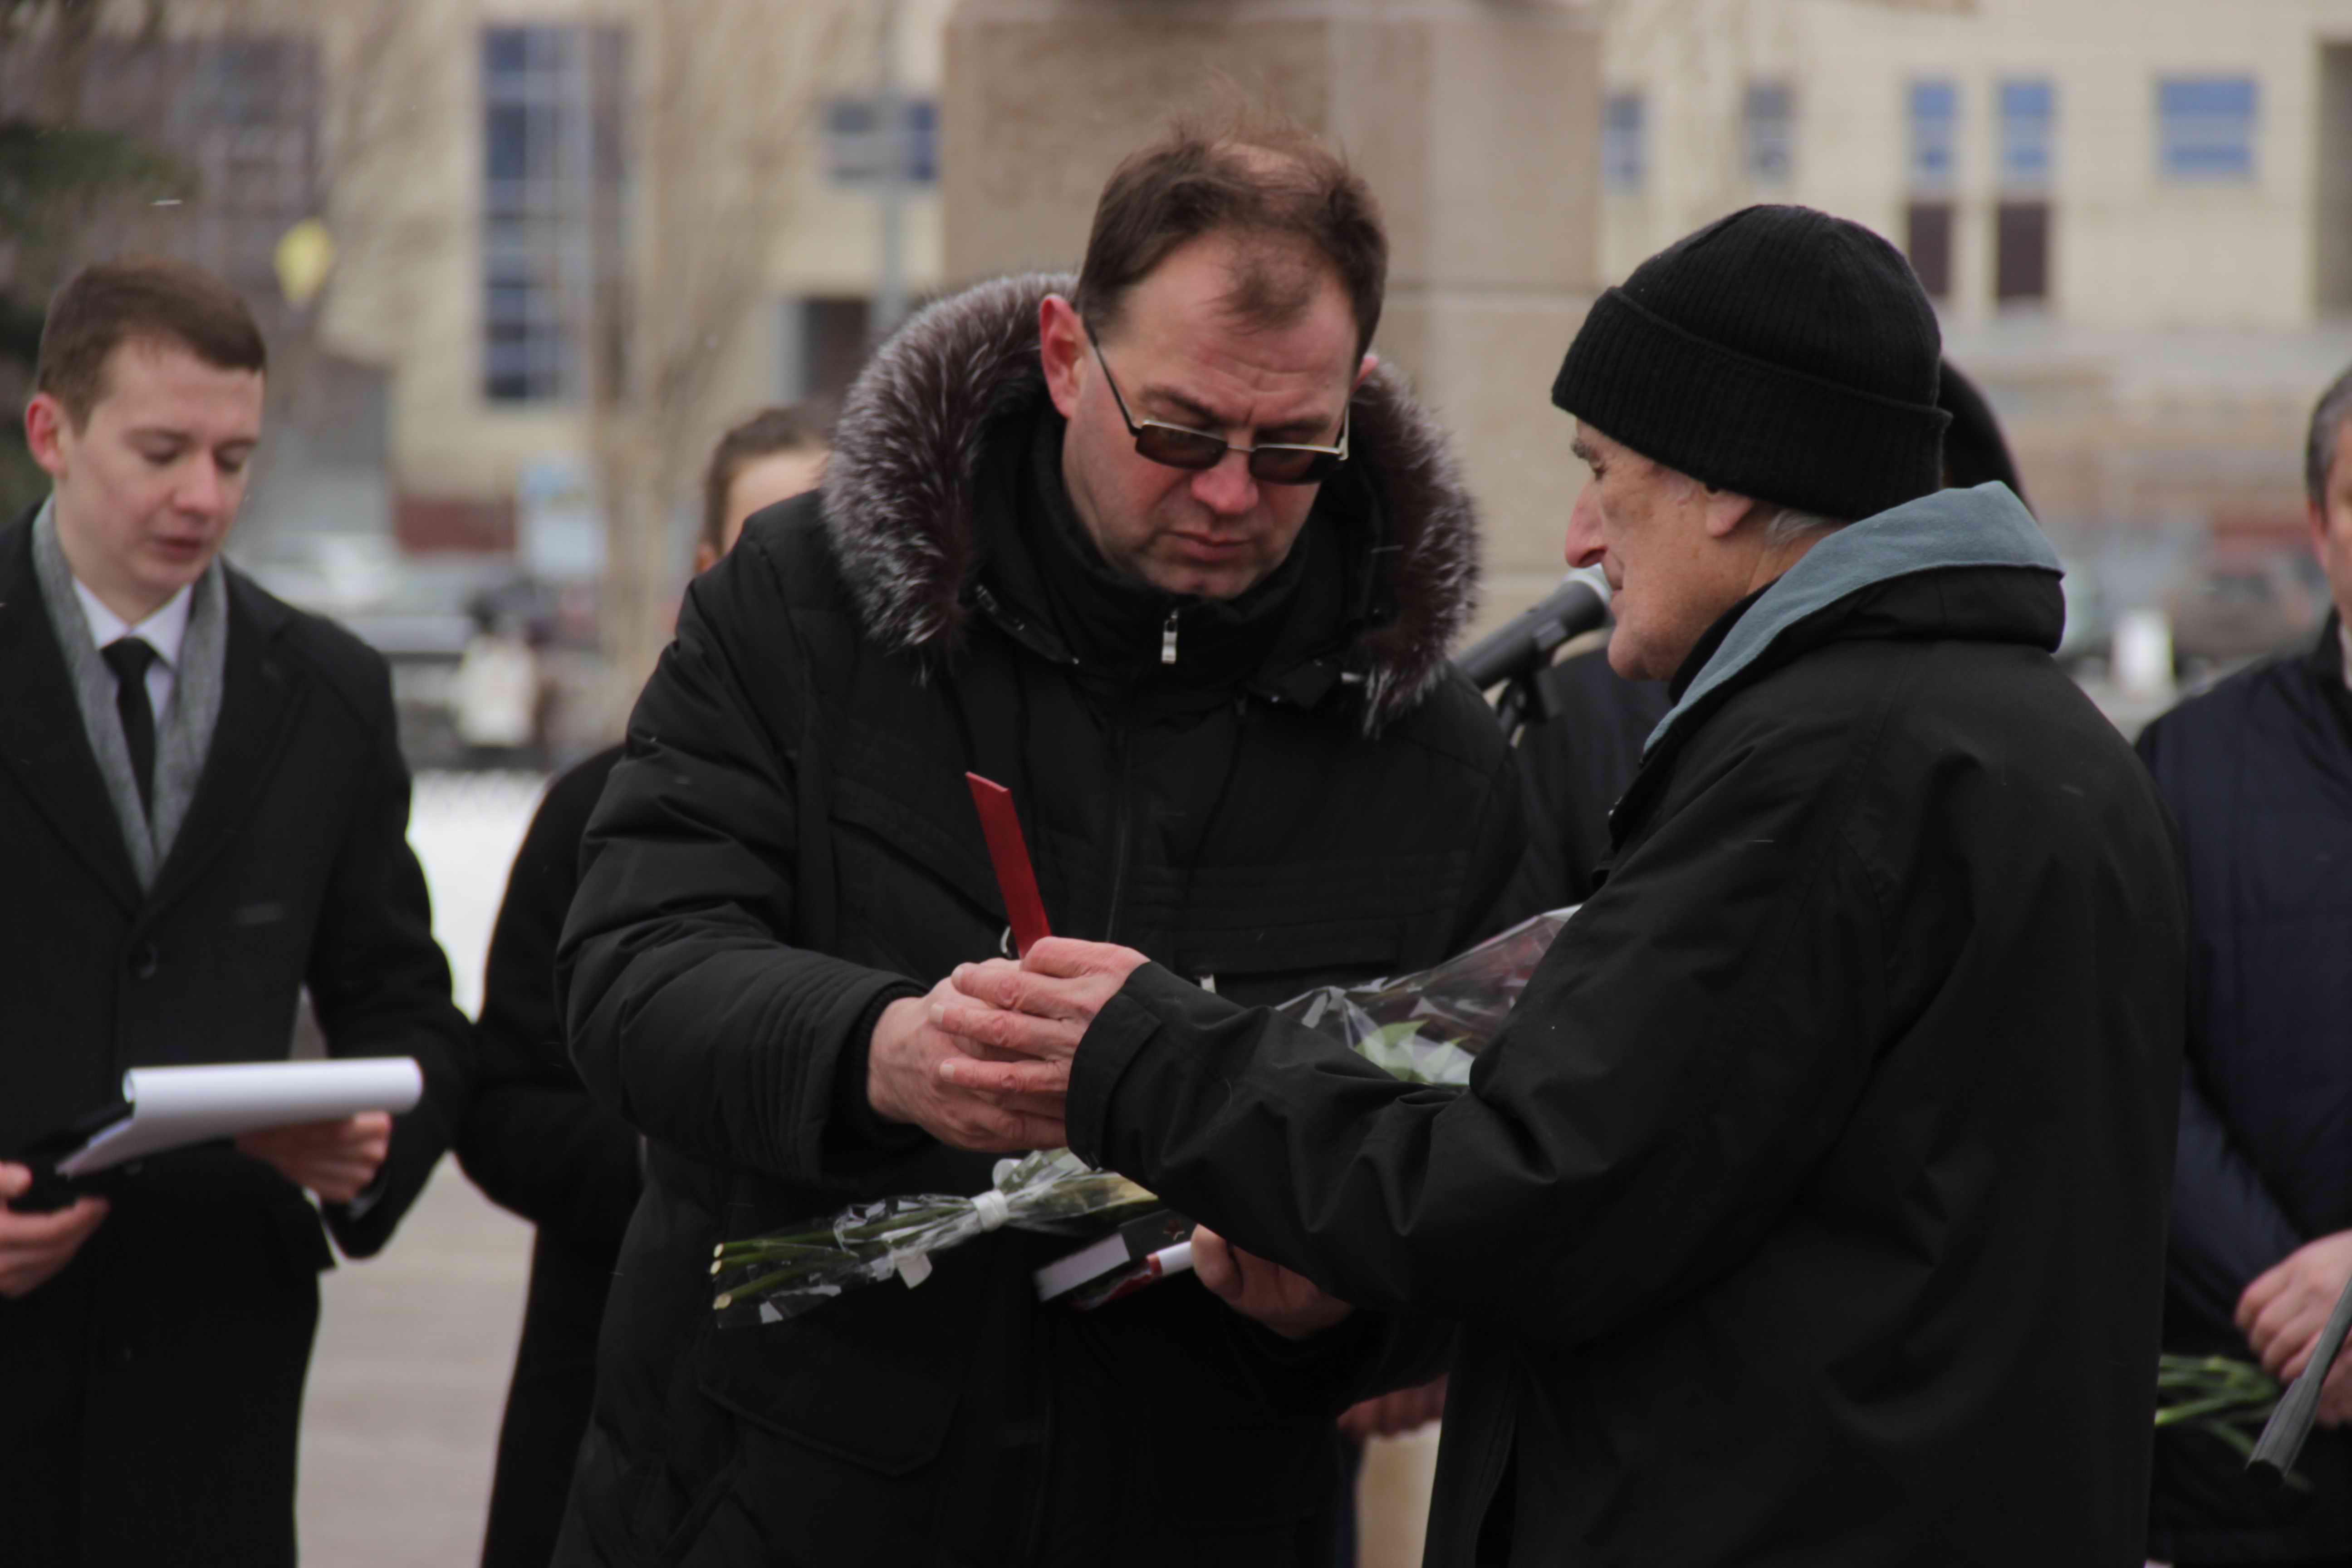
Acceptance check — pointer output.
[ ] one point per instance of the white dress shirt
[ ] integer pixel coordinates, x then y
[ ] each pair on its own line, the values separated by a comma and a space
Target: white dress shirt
163, 631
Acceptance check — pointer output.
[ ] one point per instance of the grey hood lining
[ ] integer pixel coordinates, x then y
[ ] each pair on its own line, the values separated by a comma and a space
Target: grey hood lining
1950, 530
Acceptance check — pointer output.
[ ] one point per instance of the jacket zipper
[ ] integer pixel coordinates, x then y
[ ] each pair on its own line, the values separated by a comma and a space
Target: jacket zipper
1122, 827
1168, 640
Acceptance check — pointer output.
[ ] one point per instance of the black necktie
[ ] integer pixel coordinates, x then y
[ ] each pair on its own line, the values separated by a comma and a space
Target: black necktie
129, 658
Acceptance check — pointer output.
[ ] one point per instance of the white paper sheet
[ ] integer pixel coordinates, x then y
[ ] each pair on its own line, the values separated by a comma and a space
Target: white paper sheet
173, 1107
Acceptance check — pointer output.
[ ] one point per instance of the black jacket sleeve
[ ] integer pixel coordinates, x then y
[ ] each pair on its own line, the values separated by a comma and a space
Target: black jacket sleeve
534, 1140
1624, 1137
690, 1013
380, 986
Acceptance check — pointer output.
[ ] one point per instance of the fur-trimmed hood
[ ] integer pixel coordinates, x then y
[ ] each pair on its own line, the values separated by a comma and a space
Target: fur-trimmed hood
900, 487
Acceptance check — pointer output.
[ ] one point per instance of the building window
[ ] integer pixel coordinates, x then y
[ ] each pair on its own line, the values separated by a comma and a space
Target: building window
2021, 254
1768, 133
1928, 241
2028, 129
2021, 274
821, 346
1935, 114
551, 220
253, 144
858, 145
2205, 127
1622, 153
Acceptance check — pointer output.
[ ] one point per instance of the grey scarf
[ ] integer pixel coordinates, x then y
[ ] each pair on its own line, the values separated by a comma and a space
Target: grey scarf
183, 733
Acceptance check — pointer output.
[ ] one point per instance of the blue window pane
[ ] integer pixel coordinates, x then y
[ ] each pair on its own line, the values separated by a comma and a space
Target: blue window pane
1769, 126
2029, 113
1623, 155
858, 148
505, 142
1935, 115
2027, 100
504, 50
2207, 95
922, 122
2205, 128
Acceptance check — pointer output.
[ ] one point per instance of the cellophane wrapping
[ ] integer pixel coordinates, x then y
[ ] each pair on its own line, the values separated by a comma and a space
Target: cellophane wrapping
1425, 1027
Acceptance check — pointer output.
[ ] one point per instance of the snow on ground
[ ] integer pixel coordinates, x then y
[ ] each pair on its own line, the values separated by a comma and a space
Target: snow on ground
466, 828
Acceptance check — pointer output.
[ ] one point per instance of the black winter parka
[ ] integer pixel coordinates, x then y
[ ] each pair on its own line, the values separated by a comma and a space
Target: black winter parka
789, 846
2258, 772
1809, 1208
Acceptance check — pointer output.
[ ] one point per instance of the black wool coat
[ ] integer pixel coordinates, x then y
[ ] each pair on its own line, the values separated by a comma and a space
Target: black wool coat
789, 846
1810, 1207
1578, 755
538, 1144
2258, 772
152, 1389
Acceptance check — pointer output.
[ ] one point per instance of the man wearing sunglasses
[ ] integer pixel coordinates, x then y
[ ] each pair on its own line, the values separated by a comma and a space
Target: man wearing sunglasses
1164, 552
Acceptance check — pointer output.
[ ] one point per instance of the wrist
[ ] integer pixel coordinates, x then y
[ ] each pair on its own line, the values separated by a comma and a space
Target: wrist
894, 1023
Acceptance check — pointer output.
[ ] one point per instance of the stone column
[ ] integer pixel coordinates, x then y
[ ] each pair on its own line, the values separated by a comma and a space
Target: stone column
1476, 123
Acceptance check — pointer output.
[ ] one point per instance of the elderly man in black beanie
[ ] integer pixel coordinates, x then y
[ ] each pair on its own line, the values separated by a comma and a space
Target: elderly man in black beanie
1809, 1208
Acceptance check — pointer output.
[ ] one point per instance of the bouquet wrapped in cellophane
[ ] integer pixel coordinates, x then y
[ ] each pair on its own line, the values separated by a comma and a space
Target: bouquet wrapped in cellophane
2228, 1400
1424, 1028
770, 1278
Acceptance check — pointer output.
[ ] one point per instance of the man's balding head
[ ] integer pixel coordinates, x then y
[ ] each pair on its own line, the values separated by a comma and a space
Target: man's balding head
1294, 211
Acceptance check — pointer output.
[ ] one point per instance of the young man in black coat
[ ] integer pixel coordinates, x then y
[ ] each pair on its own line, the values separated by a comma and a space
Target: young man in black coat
202, 810
533, 1138
1810, 1207
1166, 556
2258, 772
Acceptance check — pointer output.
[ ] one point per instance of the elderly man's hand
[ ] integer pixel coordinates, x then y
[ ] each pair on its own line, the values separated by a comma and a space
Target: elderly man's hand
1035, 1012
2284, 1309
1289, 1303
904, 1083
336, 1160
34, 1247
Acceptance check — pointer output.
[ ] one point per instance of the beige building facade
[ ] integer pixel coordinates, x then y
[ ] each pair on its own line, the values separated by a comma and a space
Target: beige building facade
581, 193
2135, 216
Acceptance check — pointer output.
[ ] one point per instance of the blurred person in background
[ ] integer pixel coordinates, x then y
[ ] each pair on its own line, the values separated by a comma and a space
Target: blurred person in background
494, 694
534, 1140
2258, 772
1808, 1208
203, 811
1167, 555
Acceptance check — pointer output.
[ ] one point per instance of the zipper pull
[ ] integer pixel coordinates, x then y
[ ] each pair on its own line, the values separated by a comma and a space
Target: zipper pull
1168, 640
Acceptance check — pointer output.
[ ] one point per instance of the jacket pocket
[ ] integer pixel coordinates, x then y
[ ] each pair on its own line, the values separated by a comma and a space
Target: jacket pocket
828, 1396
833, 1453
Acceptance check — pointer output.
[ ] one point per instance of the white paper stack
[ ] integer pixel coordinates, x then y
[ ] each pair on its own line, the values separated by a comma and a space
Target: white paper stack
173, 1107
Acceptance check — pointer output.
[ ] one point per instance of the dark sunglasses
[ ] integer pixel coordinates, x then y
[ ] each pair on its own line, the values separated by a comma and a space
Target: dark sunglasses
1270, 462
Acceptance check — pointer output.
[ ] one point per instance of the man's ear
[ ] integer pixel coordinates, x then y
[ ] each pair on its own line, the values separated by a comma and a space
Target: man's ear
1371, 362
1726, 512
45, 432
1062, 345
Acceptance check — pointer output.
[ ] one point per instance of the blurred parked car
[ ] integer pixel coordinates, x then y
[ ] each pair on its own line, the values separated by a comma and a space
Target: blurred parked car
419, 612
2242, 604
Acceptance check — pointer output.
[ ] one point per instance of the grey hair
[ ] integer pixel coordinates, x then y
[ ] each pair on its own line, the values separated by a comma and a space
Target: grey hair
2327, 422
1789, 525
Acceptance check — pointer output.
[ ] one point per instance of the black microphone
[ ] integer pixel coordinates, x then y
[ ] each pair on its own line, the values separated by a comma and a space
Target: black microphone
1526, 645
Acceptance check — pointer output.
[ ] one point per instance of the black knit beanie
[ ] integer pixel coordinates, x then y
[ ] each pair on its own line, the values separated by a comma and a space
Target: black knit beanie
1780, 353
